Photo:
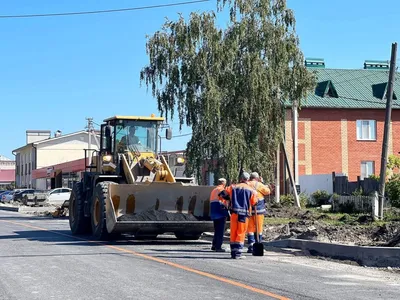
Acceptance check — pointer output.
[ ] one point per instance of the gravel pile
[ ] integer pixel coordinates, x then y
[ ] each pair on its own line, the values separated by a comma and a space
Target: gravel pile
157, 215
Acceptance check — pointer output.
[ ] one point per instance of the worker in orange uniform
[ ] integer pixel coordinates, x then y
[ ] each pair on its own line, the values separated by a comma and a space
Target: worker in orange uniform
218, 213
262, 191
241, 197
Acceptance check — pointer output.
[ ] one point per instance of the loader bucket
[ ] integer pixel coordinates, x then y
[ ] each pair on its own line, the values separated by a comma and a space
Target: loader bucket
158, 207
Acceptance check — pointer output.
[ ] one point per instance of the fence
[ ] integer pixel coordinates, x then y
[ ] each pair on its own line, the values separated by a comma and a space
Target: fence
358, 204
342, 186
353, 204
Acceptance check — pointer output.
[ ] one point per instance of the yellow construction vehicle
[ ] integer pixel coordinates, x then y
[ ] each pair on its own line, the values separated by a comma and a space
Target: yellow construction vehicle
129, 187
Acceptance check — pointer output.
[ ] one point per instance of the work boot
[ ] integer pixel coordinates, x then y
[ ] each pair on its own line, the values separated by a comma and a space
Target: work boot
221, 250
212, 248
250, 250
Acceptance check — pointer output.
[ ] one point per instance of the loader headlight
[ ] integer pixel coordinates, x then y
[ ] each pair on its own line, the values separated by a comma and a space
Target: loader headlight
180, 160
107, 158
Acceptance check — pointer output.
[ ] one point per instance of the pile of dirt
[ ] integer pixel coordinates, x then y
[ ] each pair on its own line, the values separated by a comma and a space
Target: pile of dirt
157, 215
349, 229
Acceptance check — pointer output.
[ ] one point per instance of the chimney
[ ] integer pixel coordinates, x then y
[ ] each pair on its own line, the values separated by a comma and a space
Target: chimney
57, 133
33, 136
314, 63
376, 65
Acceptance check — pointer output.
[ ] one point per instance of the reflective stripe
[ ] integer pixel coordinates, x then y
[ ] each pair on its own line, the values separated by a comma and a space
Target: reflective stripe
242, 210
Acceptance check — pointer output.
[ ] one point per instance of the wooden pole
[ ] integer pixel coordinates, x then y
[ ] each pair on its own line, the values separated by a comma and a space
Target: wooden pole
389, 97
296, 196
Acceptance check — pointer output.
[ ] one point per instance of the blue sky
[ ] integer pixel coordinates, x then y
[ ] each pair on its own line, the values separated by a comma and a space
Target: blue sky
57, 71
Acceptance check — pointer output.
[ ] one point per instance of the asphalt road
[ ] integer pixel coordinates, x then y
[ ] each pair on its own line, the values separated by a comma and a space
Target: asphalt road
40, 260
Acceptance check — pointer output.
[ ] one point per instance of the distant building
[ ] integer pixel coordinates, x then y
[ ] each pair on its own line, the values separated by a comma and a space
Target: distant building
340, 125
7, 171
43, 152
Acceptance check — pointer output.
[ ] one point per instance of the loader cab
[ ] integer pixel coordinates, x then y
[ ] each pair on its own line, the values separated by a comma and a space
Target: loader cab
138, 135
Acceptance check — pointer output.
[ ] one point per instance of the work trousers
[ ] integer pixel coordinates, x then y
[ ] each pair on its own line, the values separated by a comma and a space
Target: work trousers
238, 235
251, 229
219, 229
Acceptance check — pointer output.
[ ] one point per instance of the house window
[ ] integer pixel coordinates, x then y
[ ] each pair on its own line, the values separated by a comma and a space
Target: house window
366, 130
367, 169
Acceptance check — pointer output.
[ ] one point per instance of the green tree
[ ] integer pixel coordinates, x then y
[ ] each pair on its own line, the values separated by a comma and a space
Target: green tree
229, 84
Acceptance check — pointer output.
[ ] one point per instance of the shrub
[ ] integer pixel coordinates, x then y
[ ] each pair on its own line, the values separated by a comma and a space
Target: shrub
347, 207
320, 197
373, 176
288, 200
357, 192
393, 190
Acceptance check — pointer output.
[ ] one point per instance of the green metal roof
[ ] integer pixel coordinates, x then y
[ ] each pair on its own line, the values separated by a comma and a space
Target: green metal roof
314, 62
346, 88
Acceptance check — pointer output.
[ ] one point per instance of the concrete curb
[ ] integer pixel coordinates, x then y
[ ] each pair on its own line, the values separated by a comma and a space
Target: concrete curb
365, 256
27, 209
9, 208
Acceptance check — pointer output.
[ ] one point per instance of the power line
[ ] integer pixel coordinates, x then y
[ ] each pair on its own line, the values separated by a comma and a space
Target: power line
181, 135
101, 11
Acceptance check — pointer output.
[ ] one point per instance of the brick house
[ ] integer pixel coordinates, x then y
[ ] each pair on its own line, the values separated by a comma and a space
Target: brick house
341, 124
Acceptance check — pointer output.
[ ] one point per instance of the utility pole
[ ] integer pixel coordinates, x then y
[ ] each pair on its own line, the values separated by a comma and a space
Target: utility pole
389, 97
89, 128
296, 196
278, 177
295, 143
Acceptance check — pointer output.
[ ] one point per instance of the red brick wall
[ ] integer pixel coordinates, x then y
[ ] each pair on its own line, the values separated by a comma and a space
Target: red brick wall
326, 139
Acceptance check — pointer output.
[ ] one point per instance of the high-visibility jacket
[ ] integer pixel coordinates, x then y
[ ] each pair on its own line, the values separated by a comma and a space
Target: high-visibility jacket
218, 207
262, 191
242, 197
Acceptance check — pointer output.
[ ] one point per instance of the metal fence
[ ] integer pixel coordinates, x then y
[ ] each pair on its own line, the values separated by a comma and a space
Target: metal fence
343, 186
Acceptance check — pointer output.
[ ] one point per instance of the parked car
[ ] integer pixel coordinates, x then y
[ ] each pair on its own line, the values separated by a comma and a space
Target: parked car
7, 197
20, 194
58, 196
3, 193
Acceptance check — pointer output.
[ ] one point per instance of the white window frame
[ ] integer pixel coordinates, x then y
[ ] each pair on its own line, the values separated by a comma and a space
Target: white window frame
369, 164
371, 130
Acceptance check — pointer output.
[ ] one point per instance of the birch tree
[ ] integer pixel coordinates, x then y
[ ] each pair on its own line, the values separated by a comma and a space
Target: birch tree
229, 84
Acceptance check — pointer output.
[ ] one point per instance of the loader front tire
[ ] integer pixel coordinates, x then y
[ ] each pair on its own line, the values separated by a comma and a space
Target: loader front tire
98, 212
78, 223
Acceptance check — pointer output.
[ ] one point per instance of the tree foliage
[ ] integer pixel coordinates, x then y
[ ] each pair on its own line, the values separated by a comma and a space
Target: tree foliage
229, 84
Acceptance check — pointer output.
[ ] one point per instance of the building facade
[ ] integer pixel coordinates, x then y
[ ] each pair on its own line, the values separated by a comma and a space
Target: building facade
341, 124
44, 151
7, 171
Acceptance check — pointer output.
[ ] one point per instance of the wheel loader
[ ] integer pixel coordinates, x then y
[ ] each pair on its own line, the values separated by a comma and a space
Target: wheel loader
129, 187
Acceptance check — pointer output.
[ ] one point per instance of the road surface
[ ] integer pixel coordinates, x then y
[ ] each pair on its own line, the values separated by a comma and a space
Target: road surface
39, 259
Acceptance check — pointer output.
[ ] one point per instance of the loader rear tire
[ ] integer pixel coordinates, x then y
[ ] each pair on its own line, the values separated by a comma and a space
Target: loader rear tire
98, 212
78, 223
188, 236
